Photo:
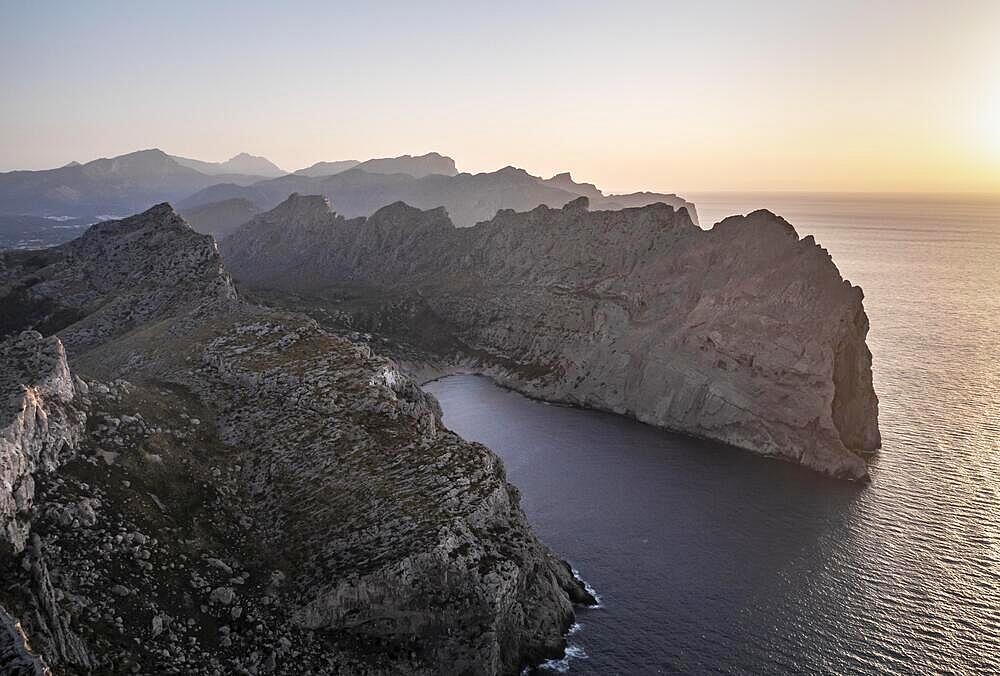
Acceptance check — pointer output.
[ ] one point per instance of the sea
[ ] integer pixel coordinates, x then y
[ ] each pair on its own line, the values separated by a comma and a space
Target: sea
710, 560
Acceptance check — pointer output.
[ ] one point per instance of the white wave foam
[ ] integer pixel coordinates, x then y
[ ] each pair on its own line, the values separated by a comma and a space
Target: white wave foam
561, 666
590, 590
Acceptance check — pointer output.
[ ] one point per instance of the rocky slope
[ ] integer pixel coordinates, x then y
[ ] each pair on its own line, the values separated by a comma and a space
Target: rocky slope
744, 333
208, 486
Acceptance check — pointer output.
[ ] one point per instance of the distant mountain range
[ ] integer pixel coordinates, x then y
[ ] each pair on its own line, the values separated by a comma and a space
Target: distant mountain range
468, 198
220, 218
107, 187
251, 165
418, 167
219, 196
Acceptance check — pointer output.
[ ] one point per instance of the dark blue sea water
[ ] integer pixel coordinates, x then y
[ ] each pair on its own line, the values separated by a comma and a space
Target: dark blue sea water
711, 560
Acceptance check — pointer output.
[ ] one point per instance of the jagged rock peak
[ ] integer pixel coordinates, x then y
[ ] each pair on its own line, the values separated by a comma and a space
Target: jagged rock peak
511, 171
402, 214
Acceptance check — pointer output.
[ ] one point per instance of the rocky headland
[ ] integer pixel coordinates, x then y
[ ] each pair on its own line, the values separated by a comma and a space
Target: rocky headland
191, 483
744, 333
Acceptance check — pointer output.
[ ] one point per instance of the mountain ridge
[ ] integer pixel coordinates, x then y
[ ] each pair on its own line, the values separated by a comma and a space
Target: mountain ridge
469, 198
636, 311
241, 163
105, 186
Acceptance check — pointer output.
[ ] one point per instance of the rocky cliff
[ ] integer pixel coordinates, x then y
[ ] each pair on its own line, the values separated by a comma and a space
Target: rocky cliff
39, 427
744, 333
210, 486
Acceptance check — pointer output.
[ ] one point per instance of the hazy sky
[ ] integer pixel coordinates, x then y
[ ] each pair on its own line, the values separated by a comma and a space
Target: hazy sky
871, 95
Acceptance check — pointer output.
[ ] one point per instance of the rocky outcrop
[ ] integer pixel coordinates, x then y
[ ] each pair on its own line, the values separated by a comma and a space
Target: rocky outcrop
39, 427
249, 493
744, 333
16, 656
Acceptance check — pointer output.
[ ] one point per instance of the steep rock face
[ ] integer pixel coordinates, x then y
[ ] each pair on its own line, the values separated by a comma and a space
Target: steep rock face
39, 427
16, 657
42, 422
255, 480
744, 333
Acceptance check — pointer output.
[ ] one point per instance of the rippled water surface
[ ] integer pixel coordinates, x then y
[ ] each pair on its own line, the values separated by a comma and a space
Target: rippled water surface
713, 560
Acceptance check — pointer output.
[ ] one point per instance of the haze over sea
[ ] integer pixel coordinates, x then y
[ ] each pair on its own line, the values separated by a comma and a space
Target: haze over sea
709, 559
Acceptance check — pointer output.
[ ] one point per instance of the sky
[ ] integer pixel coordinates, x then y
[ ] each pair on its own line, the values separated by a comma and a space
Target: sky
693, 96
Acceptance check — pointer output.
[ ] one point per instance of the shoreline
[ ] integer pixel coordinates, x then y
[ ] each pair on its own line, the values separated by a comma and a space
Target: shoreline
441, 373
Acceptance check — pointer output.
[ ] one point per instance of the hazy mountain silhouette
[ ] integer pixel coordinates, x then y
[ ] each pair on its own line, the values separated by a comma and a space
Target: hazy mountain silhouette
108, 186
328, 168
417, 166
244, 163
468, 198
220, 218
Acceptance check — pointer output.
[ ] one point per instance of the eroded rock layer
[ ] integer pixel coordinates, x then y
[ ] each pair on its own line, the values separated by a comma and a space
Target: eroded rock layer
744, 333
217, 487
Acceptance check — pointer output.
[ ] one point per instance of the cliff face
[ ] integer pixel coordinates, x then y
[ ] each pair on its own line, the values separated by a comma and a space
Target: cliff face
16, 657
744, 333
39, 427
233, 489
